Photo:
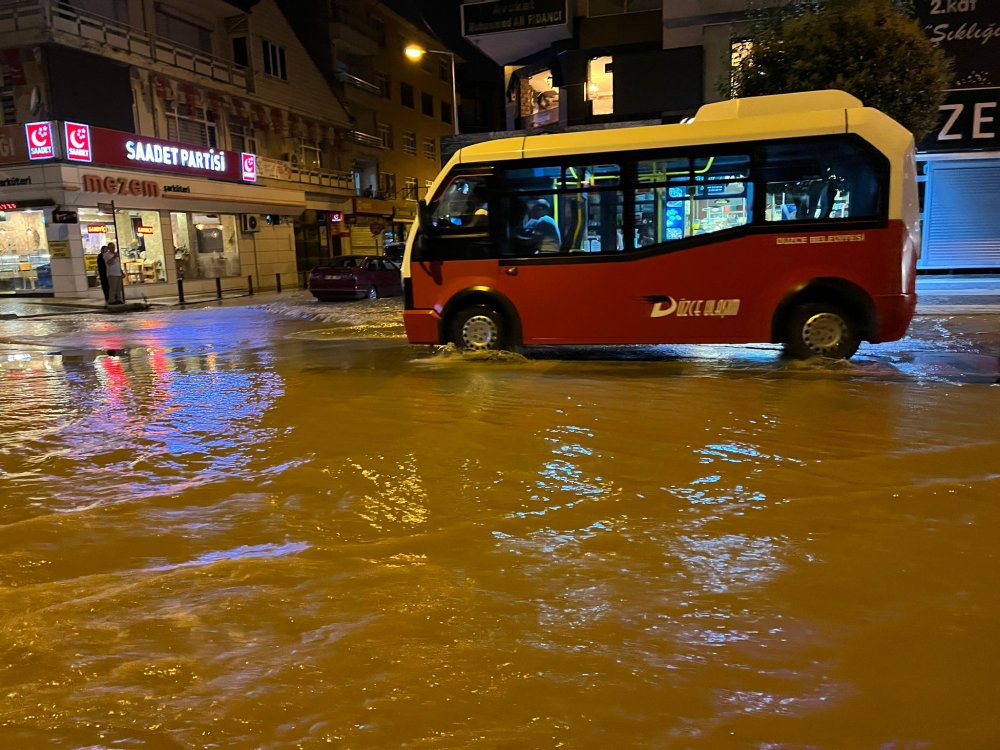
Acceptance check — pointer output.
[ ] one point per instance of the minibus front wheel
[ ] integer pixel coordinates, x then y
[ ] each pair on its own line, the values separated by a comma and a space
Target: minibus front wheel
478, 328
821, 329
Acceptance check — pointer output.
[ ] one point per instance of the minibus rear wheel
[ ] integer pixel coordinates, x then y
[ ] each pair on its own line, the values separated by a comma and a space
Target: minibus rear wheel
478, 328
821, 329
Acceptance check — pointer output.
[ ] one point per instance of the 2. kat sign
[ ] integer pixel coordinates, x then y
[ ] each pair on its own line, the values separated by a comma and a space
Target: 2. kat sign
41, 145
78, 142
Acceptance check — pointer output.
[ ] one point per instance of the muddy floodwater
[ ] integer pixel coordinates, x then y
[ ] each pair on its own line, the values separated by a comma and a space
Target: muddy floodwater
278, 525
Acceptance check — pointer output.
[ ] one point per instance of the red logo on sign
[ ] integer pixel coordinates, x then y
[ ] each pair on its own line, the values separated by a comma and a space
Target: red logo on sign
143, 229
40, 145
249, 167
78, 142
97, 228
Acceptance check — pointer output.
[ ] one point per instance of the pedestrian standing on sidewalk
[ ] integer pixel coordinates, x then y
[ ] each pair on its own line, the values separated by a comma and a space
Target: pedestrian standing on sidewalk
102, 272
116, 284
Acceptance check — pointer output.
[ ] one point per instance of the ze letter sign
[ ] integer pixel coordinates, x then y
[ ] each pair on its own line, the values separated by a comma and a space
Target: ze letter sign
40, 144
78, 142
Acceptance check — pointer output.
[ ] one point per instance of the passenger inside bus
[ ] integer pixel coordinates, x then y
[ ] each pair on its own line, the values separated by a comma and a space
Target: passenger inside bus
541, 229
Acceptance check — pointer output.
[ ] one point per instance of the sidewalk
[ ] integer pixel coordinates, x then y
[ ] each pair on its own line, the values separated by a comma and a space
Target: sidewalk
936, 295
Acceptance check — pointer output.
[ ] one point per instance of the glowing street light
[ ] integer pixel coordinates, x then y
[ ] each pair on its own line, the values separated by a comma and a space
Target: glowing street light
415, 53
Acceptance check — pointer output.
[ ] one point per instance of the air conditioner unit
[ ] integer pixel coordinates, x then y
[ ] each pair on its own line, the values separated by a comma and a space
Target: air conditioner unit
249, 223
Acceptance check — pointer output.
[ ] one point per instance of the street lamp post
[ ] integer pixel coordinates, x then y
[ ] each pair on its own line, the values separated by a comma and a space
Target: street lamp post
415, 52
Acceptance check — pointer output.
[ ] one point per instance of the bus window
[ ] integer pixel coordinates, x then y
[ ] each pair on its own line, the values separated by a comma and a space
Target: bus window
462, 206
695, 196
836, 179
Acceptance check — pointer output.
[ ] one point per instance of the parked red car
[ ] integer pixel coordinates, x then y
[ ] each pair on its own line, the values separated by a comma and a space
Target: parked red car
356, 277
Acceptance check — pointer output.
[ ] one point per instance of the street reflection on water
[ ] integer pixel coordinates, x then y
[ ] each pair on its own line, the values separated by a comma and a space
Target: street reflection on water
282, 526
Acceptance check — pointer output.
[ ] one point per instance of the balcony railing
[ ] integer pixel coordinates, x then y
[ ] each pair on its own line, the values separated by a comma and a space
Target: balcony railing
278, 169
33, 15
364, 139
359, 83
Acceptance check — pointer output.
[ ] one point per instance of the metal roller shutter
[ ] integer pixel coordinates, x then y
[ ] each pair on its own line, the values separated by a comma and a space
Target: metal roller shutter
962, 217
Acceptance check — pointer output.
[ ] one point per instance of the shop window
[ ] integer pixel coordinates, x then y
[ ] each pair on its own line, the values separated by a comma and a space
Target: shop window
600, 86
538, 100
140, 242
24, 251
205, 245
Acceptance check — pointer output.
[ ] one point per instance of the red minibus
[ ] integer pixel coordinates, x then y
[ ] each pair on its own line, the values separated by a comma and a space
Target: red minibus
790, 218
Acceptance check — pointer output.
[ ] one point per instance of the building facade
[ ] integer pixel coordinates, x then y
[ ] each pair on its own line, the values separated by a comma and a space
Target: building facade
174, 97
399, 109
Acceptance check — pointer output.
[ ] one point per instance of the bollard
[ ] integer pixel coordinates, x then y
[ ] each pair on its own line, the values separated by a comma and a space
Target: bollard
180, 291
250, 284
218, 287
277, 283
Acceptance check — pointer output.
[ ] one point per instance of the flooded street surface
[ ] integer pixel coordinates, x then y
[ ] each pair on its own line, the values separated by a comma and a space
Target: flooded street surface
280, 526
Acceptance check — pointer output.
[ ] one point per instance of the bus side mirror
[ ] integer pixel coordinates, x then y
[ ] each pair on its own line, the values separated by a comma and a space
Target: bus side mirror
424, 231
424, 215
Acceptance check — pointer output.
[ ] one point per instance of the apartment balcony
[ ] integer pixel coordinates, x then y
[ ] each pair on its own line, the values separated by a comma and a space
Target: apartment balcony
358, 83
35, 21
364, 139
278, 169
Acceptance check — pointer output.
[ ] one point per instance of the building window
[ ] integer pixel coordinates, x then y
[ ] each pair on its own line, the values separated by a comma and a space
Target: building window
182, 30
426, 104
241, 52
600, 86
409, 142
444, 70
739, 50
242, 136
387, 185
191, 124
406, 95
274, 60
378, 30
307, 155
384, 85
430, 149
384, 133
446, 112
410, 188
8, 107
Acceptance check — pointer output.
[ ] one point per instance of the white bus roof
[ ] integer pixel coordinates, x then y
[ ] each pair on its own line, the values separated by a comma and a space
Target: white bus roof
754, 118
